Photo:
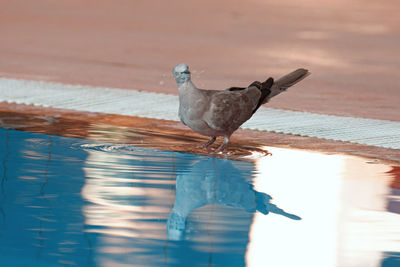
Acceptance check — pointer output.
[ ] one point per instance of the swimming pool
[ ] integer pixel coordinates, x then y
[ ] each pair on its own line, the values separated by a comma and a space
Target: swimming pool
79, 202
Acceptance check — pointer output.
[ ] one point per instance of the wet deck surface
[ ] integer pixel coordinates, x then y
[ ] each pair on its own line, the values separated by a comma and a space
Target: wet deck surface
169, 135
351, 47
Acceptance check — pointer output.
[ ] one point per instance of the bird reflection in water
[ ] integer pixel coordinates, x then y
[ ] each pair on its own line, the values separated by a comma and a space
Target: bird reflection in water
218, 182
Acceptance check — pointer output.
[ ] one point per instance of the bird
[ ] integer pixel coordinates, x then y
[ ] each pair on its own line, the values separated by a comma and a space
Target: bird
219, 113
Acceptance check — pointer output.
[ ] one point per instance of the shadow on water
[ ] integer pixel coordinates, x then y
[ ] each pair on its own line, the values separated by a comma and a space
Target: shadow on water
215, 182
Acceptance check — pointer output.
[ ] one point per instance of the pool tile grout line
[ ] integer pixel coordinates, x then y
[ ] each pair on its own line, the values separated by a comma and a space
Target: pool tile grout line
372, 132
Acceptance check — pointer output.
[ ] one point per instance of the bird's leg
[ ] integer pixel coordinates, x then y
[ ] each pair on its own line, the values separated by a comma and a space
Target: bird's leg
209, 142
224, 144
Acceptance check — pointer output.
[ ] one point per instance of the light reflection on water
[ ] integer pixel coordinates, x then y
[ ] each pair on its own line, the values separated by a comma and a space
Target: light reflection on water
132, 194
67, 201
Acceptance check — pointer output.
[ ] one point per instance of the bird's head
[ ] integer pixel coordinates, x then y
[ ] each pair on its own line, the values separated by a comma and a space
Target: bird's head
181, 73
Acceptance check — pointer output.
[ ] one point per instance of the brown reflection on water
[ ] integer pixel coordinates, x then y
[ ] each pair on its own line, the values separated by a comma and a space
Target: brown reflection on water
169, 135
122, 129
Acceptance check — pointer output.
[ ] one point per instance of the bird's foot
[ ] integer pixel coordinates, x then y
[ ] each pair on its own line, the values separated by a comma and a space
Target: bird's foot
220, 148
209, 142
223, 145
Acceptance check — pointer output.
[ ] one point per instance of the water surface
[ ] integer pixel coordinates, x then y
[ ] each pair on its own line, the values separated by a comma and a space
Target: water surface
69, 201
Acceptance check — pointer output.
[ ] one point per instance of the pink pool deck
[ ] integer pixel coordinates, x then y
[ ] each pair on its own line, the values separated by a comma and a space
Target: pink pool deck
351, 47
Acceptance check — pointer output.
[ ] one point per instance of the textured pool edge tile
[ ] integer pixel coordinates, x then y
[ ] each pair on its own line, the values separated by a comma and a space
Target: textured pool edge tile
371, 132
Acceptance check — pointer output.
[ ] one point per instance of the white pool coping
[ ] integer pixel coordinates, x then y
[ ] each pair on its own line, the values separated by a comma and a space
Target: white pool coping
373, 132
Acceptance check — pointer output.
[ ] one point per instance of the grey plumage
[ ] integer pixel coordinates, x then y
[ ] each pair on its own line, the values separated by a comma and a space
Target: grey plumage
220, 113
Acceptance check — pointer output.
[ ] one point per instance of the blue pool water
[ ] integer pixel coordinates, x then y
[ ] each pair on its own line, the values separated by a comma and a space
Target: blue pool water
76, 202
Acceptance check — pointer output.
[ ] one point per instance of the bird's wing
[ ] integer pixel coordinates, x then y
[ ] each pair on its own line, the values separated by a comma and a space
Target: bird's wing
232, 89
235, 88
264, 87
230, 109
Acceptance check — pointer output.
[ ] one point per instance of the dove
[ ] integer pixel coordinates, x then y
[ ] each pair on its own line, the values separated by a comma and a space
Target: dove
219, 113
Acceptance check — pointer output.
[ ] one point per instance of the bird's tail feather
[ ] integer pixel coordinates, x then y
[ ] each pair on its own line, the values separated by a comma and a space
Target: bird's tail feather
286, 81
